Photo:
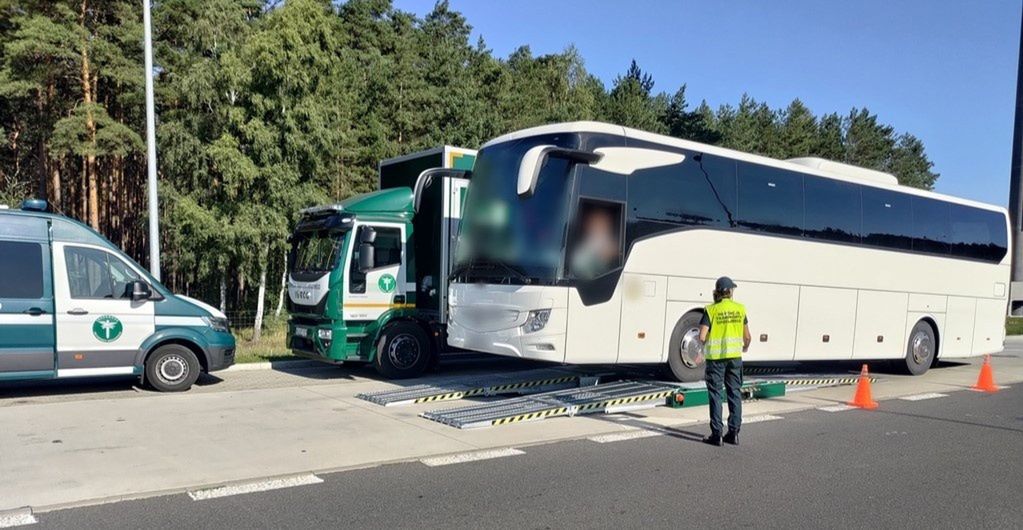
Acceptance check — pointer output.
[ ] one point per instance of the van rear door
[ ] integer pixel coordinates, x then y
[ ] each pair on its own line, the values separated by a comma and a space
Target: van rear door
26, 299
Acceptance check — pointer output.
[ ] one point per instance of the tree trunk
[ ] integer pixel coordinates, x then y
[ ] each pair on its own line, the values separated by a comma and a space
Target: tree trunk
223, 292
284, 286
257, 328
54, 192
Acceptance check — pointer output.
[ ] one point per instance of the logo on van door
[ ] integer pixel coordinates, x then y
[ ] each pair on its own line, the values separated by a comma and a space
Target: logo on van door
386, 283
107, 328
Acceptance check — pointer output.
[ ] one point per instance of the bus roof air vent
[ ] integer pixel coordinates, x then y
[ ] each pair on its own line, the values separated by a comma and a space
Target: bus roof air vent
846, 170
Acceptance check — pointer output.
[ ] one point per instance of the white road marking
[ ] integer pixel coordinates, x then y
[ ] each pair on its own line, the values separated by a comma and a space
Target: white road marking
622, 436
19, 517
470, 457
837, 408
921, 397
760, 418
253, 487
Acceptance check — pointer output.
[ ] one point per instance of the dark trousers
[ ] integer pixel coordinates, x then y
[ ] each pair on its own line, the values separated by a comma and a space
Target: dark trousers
725, 375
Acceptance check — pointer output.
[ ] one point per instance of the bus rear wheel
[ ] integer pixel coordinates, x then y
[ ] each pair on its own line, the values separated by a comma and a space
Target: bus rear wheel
685, 351
921, 349
404, 350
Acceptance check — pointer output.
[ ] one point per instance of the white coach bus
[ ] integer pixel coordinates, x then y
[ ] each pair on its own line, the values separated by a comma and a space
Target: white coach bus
590, 243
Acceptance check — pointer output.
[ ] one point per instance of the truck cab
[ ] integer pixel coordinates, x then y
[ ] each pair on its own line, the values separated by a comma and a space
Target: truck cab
367, 277
74, 305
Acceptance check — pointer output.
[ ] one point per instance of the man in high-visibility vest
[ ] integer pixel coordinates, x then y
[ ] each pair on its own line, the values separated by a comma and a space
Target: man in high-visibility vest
725, 334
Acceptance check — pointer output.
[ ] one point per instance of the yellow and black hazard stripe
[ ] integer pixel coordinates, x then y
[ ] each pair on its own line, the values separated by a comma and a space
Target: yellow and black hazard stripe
527, 384
444, 397
493, 389
530, 416
826, 381
626, 400
762, 370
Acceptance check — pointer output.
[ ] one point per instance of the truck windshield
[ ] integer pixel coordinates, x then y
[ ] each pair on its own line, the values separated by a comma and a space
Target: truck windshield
507, 237
316, 251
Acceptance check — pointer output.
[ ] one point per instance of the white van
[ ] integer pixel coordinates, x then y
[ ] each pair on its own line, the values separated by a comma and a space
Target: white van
73, 305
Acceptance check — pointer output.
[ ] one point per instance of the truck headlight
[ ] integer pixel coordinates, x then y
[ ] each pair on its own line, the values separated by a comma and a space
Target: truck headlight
217, 324
325, 334
536, 320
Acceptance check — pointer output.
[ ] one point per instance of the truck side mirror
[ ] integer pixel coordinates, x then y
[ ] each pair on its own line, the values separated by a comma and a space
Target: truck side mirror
140, 291
367, 234
367, 257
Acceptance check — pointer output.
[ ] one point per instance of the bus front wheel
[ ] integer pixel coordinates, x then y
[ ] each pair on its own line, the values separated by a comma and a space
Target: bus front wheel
921, 349
685, 351
404, 350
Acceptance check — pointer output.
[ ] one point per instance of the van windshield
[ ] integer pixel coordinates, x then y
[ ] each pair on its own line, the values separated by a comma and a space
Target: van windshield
317, 251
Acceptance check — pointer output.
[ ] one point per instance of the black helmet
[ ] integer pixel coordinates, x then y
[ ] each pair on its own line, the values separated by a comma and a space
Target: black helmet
724, 283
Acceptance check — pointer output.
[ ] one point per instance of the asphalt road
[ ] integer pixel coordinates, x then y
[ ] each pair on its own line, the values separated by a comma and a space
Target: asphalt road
950, 462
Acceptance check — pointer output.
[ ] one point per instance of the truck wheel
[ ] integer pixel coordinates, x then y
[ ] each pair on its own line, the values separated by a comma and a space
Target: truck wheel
172, 368
403, 351
685, 351
921, 349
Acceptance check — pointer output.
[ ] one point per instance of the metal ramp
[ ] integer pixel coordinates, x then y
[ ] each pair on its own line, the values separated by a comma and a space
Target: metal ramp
490, 385
603, 398
587, 400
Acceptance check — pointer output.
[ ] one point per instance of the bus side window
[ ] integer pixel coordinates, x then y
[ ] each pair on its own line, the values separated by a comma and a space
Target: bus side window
596, 246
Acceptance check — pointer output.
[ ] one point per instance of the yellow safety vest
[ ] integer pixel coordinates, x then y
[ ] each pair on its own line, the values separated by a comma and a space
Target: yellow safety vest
727, 322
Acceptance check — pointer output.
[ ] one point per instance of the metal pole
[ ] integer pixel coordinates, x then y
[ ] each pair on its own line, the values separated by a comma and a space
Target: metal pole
154, 210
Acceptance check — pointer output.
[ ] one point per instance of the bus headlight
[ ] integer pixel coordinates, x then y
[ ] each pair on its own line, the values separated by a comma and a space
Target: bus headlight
217, 324
536, 320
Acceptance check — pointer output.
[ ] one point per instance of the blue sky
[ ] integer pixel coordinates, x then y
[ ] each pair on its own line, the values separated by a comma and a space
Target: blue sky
943, 70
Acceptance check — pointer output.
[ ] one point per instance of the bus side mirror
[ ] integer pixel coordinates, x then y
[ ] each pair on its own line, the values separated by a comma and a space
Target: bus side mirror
140, 291
535, 157
367, 257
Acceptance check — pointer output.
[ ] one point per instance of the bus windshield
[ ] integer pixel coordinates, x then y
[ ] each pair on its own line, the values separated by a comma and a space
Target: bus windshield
316, 251
508, 237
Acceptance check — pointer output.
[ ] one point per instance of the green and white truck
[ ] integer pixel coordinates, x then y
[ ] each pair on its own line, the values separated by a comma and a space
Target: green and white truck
367, 277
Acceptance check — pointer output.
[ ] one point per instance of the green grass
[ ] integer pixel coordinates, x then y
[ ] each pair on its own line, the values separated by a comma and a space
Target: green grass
1014, 326
270, 346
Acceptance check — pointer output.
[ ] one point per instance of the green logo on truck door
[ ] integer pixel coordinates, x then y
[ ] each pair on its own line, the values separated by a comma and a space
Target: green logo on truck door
386, 283
107, 328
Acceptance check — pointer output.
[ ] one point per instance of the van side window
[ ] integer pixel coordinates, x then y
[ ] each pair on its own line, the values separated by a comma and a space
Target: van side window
21, 270
95, 274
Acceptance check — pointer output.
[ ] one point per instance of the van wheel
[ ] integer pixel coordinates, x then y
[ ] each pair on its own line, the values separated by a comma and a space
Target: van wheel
685, 351
404, 350
921, 349
172, 368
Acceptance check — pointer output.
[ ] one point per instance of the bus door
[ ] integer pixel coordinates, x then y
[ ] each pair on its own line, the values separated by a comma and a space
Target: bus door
100, 327
375, 282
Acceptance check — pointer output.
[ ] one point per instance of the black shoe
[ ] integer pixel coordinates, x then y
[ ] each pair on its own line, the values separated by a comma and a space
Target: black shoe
731, 438
713, 439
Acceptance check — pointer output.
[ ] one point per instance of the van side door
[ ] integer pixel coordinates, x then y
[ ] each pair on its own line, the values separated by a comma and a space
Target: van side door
100, 329
26, 303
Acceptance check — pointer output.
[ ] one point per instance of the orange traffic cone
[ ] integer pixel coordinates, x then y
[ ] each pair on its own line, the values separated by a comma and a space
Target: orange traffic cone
863, 399
986, 379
